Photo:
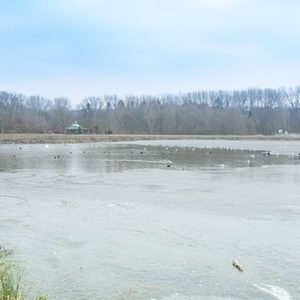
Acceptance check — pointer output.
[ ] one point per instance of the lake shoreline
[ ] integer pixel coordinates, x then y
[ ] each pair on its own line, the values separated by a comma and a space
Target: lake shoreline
93, 138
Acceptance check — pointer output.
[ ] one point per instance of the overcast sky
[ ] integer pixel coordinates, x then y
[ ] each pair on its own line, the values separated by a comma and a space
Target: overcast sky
79, 48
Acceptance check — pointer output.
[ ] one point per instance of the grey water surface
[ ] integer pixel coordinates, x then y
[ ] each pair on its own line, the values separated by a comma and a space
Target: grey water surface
154, 220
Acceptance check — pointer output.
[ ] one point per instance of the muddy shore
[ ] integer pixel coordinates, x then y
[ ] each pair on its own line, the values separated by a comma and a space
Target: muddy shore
66, 138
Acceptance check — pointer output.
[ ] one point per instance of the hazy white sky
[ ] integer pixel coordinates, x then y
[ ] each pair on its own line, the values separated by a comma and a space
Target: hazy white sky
79, 48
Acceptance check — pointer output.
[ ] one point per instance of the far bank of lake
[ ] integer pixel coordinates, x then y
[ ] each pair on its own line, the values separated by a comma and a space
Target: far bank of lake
34, 138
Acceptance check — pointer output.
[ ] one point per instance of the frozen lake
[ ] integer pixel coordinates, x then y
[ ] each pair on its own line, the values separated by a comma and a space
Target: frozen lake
154, 219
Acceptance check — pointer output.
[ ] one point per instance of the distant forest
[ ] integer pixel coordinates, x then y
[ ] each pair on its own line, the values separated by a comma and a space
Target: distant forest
251, 111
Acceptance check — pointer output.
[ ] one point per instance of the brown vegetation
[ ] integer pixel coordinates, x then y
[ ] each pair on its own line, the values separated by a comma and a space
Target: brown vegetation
238, 112
66, 138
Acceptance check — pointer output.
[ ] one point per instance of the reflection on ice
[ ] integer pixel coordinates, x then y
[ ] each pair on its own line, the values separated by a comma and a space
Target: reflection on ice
277, 292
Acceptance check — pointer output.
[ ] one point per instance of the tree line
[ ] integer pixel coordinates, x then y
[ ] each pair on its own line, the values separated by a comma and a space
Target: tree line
249, 111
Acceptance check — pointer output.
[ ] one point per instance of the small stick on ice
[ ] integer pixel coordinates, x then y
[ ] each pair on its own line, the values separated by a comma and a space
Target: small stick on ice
238, 266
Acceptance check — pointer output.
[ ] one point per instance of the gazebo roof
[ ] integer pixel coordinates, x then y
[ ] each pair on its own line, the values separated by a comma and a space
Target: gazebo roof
74, 126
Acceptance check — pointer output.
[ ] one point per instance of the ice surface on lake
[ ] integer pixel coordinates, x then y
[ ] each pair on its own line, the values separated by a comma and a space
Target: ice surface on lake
113, 221
278, 292
282, 147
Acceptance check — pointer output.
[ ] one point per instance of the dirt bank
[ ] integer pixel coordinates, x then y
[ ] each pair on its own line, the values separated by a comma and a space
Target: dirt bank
63, 138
